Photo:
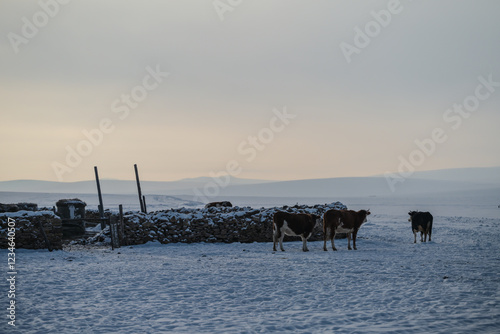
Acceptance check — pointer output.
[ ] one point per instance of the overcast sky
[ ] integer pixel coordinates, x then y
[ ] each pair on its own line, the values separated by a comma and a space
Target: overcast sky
260, 88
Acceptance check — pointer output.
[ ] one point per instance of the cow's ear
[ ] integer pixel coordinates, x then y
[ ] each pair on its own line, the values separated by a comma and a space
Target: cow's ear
368, 212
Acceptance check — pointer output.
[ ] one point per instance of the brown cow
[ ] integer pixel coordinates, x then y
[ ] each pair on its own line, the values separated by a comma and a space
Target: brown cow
343, 221
294, 224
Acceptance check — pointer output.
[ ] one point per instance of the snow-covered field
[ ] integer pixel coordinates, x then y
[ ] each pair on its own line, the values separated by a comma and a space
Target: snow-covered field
389, 285
111, 202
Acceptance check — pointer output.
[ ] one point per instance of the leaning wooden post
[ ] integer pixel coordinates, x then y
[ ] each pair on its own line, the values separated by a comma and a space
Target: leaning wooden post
144, 203
101, 207
44, 235
139, 188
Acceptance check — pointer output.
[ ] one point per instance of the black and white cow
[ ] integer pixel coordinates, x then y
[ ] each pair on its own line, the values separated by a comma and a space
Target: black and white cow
421, 222
293, 224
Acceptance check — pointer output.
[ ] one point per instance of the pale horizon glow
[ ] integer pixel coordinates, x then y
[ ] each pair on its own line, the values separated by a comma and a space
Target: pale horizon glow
208, 87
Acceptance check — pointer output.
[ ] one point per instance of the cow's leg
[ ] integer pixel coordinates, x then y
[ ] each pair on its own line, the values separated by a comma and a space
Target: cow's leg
275, 237
326, 234
354, 234
333, 243
329, 234
421, 236
282, 236
304, 244
425, 236
349, 241
430, 233
415, 235
332, 239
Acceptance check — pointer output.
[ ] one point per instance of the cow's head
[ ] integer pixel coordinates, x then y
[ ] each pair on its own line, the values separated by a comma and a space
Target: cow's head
316, 219
411, 213
365, 213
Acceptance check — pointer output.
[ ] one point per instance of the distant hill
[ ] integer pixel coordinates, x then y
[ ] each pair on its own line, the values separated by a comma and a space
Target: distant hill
354, 187
448, 180
120, 187
487, 175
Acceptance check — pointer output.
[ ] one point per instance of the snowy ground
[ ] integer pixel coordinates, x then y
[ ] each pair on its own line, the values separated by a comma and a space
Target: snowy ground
389, 285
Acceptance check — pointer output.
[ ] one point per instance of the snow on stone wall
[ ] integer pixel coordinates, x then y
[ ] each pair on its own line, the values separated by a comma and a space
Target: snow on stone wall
27, 230
236, 224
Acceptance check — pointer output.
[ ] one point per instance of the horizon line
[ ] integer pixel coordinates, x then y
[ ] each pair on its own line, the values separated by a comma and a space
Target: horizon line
251, 179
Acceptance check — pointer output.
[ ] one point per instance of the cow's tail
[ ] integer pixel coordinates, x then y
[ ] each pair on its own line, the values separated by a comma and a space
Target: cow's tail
430, 227
325, 228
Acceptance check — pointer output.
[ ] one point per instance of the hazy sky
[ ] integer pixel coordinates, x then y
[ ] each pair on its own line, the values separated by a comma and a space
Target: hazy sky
261, 88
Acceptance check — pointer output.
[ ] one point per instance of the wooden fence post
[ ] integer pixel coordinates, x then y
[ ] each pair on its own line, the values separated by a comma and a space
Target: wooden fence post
139, 188
121, 227
101, 207
113, 228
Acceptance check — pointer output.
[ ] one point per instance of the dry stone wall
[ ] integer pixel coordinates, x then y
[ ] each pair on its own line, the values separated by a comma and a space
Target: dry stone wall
236, 224
27, 229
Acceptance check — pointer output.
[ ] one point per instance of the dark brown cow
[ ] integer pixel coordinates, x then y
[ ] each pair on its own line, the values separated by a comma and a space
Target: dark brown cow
294, 224
343, 221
